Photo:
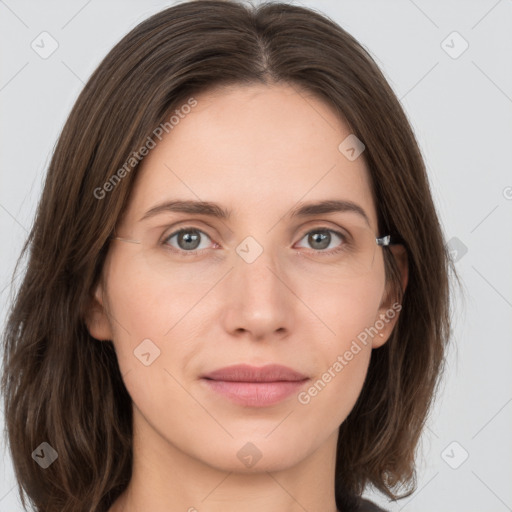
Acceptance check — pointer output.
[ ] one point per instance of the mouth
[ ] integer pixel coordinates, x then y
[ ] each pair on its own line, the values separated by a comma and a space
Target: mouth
251, 386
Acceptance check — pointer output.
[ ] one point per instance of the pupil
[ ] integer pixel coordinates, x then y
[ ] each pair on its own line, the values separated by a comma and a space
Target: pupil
321, 236
187, 238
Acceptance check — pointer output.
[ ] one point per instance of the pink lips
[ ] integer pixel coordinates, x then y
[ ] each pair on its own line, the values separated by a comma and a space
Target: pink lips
255, 387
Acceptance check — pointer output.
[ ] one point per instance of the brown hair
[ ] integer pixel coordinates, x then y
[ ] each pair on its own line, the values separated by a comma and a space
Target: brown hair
63, 387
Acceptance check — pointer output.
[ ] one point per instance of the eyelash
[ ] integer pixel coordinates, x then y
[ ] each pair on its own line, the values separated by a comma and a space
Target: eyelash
181, 252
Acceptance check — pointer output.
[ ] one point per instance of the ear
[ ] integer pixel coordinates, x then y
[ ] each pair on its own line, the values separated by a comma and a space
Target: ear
390, 306
96, 317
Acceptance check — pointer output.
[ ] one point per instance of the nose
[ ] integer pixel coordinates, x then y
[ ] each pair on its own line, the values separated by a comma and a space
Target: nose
259, 301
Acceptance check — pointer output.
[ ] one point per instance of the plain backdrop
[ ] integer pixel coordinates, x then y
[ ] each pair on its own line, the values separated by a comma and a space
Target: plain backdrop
450, 65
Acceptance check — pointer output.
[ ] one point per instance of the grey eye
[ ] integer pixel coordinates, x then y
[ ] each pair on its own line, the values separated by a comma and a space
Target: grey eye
320, 238
188, 239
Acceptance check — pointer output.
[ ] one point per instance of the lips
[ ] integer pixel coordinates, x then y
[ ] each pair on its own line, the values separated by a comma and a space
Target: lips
247, 373
251, 386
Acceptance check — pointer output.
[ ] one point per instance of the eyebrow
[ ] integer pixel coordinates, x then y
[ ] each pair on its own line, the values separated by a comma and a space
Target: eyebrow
211, 209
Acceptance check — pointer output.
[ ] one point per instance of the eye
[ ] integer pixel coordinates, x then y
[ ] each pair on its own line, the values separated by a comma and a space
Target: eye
320, 239
188, 240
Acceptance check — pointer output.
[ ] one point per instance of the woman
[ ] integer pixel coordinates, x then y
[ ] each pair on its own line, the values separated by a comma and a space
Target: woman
229, 299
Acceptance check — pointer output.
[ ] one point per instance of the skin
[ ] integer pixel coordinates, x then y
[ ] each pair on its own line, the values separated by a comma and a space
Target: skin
257, 150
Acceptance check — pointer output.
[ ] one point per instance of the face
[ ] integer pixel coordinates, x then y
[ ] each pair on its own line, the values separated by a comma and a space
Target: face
256, 291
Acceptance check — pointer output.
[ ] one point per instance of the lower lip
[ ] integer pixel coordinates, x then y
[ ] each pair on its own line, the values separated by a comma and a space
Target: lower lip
255, 394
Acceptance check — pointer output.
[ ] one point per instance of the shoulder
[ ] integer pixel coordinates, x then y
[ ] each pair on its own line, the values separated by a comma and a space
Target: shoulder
368, 506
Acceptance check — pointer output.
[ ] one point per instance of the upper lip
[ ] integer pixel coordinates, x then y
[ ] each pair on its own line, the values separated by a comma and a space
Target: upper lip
247, 373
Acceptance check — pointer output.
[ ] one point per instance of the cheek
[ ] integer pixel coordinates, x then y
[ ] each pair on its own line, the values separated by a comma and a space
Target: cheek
134, 308
145, 301
146, 305
343, 346
342, 309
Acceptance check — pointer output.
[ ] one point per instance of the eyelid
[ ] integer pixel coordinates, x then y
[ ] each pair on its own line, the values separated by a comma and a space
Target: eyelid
324, 225
176, 227
316, 229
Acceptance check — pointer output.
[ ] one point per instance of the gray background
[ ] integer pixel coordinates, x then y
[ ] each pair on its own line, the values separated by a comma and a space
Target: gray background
460, 106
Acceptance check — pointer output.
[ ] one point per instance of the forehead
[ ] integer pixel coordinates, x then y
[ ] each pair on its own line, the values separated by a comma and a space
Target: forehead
253, 149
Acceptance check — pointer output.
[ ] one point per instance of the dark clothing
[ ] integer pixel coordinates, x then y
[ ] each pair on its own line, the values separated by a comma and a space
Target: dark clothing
348, 502
368, 506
